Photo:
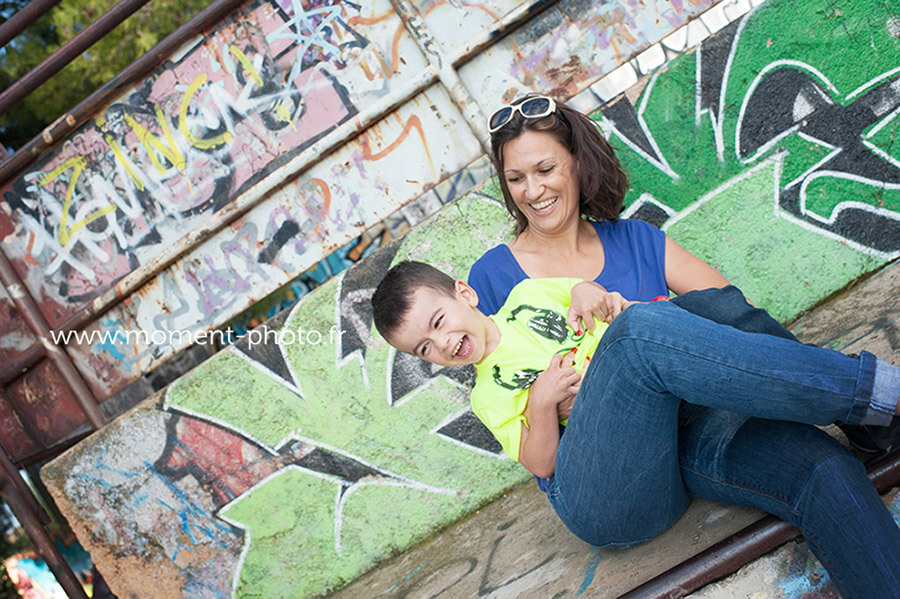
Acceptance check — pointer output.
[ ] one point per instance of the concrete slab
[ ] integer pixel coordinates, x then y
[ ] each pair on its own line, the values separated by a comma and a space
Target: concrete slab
516, 547
864, 316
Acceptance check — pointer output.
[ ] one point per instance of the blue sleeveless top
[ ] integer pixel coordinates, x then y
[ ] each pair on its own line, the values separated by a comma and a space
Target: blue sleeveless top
635, 265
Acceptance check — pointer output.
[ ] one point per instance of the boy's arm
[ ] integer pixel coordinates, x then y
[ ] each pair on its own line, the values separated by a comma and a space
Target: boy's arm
540, 439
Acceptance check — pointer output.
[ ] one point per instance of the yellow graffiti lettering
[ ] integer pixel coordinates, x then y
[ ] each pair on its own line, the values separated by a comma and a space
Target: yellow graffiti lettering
77, 164
242, 58
117, 151
151, 142
203, 144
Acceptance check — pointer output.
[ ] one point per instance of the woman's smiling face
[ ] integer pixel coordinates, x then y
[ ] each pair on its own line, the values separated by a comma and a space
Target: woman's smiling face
541, 176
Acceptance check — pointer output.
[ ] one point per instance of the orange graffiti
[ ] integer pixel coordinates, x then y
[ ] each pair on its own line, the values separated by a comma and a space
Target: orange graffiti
385, 68
325, 191
395, 49
483, 9
28, 257
412, 122
373, 20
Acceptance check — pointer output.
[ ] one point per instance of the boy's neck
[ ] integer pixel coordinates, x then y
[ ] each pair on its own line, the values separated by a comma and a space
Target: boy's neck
492, 338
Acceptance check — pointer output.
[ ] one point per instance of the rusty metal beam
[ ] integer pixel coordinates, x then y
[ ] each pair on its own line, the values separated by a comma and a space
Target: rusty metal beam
519, 15
137, 70
25, 507
9, 473
24, 17
20, 363
447, 63
449, 78
29, 311
43, 455
746, 545
68, 52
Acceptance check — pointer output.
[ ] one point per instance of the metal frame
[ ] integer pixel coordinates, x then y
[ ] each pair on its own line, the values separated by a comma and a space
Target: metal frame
69, 51
27, 15
32, 517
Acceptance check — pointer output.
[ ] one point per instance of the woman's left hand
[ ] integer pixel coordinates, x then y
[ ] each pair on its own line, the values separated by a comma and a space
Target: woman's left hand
590, 299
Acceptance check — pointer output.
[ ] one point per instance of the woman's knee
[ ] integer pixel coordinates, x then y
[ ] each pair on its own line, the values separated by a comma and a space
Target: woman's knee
632, 320
638, 329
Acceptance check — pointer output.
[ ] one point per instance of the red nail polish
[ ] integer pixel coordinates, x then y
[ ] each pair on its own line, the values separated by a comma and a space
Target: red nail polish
578, 332
574, 350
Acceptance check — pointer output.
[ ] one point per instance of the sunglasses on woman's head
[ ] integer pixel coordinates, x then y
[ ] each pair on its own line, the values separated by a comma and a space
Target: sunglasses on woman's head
532, 108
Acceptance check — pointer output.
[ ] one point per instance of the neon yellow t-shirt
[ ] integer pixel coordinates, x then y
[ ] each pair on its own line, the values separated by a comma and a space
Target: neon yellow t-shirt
533, 327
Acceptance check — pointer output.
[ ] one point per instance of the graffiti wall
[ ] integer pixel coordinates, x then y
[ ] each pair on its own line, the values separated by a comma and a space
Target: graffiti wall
307, 450
770, 153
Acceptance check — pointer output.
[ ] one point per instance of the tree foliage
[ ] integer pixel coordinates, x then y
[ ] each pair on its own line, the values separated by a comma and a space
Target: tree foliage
134, 37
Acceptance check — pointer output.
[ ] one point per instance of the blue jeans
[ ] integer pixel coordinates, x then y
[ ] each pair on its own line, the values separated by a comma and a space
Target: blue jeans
676, 406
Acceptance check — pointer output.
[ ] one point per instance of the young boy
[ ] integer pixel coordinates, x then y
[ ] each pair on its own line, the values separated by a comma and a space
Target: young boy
517, 395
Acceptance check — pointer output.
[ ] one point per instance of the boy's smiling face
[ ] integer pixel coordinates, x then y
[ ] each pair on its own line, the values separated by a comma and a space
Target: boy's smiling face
445, 330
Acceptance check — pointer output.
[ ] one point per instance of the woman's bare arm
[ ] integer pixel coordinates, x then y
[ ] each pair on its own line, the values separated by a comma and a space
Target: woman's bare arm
686, 272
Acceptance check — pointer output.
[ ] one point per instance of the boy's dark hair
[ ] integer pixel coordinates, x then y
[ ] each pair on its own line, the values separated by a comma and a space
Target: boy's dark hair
393, 296
601, 179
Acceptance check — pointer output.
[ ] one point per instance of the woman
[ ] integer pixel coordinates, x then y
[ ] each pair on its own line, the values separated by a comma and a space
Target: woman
627, 466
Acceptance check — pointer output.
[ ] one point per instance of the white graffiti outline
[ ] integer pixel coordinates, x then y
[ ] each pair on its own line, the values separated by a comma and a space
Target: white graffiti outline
846, 204
780, 213
835, 150
358, 325
884, 122
418, 389
450, 418
340, 501
647, 198
662, 164
872, 82
292, 386
811, 174
718, 120
303, 23
203, 416
715, 192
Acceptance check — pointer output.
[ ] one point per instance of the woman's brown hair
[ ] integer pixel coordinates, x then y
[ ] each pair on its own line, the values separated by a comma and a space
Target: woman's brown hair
602, 182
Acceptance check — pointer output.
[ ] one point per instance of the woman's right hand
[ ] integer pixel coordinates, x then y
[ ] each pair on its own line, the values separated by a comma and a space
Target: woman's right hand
590, 300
